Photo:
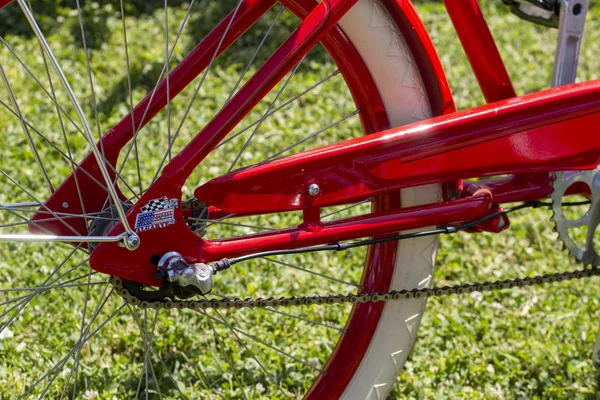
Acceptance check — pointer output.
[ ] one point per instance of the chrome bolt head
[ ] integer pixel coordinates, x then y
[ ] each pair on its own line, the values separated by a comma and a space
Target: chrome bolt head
314, 189
65, 205
132, 242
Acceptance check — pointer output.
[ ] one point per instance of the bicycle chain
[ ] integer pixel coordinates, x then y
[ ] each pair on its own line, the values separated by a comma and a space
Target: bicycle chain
352, 298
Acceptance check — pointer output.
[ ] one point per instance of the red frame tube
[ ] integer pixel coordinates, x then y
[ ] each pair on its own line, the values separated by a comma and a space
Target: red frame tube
479, 44
374, 224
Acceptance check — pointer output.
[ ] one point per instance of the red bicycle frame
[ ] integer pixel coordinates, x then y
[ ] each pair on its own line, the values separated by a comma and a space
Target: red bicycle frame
525, 137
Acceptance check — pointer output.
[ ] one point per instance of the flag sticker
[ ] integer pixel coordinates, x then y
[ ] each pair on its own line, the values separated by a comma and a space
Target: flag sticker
157, 214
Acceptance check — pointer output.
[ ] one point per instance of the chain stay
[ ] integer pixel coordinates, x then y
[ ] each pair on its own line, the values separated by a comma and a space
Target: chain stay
352, 298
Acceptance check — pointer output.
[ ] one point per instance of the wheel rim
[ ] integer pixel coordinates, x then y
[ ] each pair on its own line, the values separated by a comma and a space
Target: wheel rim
372, 279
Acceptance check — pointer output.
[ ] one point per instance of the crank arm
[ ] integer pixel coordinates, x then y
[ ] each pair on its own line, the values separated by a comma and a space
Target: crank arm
546, 131
570, 31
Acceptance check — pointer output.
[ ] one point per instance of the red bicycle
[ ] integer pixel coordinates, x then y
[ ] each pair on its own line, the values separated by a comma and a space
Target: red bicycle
215, 225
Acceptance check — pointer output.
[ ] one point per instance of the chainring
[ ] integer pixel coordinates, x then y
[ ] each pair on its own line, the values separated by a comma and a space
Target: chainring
588, 253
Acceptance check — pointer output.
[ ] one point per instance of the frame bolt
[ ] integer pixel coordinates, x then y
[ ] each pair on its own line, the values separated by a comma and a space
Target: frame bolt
132, 242
65, 205
314, 189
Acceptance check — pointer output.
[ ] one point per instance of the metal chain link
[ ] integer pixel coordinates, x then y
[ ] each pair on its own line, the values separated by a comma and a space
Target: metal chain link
352, 298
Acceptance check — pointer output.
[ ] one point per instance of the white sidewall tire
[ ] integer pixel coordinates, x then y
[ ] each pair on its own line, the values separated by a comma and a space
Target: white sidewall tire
397, 77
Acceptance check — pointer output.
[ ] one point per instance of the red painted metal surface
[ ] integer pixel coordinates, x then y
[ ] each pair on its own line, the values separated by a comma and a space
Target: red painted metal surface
477, 40
374, 224
112, 259
4, 3
541, 132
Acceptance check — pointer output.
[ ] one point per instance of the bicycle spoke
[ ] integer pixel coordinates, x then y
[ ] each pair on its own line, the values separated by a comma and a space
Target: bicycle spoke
26, 299
312, 135
310, 321
41, 86
41, 289
44, 288
311, 272
141, 123
287, 103
251, 61
262, 342
155, 353
35, 199
234, 334
54, 146
370, 199
195, 95
219, 222
167, 79
88, 134
224, 352
75, 368
130, 92
265, 115
36, 155
82, 341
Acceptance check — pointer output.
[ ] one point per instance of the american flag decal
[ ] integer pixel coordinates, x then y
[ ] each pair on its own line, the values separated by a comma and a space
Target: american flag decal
158, 213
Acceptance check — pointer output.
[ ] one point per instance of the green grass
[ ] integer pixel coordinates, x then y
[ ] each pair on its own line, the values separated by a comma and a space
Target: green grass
523, 343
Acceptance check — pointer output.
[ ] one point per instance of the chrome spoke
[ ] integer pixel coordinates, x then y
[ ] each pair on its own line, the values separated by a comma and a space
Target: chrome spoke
251, 61
266, 372
82, 341
223, 351
130, 91
28, 193
167, 58
75, 370
141, 123
41, 86
36, 155
62, 125
219, 222
262, 342
287, 103
41, 289
54, 146
312, 135
370, 199
44, 288
331, 278
88, 133
154, 351
310, 321
265, 116
198, 87
27, 298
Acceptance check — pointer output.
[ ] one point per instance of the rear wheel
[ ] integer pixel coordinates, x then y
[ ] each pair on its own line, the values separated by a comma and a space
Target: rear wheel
66, 332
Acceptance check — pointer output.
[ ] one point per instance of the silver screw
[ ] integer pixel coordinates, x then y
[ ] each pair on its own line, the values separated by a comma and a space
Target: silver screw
314, 189
65, 205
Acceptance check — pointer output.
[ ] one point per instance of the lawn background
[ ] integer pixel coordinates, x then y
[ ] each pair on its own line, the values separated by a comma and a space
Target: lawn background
523, 343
